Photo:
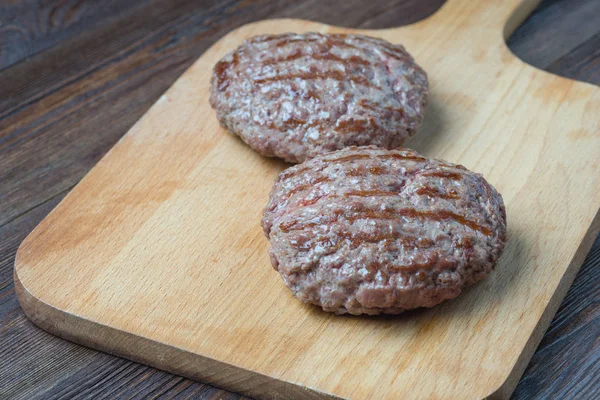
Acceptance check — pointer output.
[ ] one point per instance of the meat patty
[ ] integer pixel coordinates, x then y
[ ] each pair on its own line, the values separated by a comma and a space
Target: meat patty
295, 96
366, 230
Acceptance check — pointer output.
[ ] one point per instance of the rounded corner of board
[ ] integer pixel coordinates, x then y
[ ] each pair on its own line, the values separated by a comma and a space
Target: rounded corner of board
502, 390
33, 307
36, 309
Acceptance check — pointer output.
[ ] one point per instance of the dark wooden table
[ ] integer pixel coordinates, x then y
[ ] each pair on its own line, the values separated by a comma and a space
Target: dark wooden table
76, 74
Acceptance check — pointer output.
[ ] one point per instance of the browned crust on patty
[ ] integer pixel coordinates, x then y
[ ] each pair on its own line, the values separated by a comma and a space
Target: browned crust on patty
366, 230
294, 96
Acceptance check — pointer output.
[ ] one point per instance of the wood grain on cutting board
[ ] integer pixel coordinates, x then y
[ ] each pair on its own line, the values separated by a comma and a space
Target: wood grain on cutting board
157, 255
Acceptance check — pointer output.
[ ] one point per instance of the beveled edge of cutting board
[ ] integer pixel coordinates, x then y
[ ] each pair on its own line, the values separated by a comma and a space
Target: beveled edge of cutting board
91, 334
505, 390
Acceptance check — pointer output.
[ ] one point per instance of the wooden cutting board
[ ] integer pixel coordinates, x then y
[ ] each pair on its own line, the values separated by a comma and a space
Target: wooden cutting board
158, 256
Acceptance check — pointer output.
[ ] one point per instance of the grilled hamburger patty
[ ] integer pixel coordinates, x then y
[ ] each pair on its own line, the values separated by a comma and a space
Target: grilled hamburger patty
366, 230
295, 96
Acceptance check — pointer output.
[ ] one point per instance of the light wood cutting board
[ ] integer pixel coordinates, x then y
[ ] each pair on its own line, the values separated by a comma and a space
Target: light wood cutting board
158, 256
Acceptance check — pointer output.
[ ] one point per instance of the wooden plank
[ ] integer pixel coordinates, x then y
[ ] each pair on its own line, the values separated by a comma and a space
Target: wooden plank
567, 362
115, 234
32, 26
583, 62
551, 32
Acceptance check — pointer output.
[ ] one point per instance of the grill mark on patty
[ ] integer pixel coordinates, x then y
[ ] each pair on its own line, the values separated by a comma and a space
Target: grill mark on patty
389, 50
351, 157
314, 75
376, 170
395, 156
354, 124
221, 71
434, 193
300, 188
464, 243
376, 107
324, 56
455, 166
294, 122
294, 171
400, 157
437, 215
338, 41
413, 267
357, 193
332, 57
407, 241
365, 213
455, 176
290, 57
286, 41
396, 55
368, 193
355, 240
372, 170
310, 202
323, 179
